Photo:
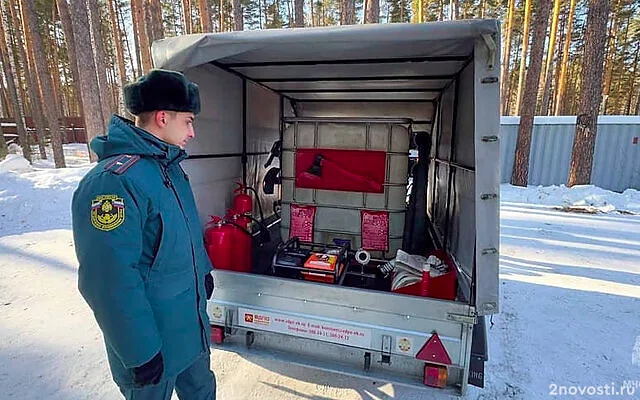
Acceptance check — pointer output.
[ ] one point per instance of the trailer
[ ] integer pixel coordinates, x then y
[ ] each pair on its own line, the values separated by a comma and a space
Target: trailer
374, 144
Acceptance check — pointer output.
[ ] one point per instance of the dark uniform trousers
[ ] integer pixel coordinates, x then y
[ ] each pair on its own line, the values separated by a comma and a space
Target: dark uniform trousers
197, 382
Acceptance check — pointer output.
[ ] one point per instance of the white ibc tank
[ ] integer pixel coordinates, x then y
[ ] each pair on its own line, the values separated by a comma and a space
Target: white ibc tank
338, 213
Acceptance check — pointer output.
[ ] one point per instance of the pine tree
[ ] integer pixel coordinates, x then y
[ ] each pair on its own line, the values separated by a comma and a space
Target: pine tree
523, 56
506, 67
528, 107
93, 117
28, 65
10, 73
586, 127
564, 64
547, 73
50, 104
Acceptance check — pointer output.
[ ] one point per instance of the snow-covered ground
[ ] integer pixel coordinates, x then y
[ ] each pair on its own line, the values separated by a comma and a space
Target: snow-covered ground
570, 308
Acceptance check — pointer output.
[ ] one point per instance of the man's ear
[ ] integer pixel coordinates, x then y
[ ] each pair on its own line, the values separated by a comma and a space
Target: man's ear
160, 118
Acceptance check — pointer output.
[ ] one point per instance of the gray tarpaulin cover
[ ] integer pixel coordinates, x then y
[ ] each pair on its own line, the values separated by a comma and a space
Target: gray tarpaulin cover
369, 41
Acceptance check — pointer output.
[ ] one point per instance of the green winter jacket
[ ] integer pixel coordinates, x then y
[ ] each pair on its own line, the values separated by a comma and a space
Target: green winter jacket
141, 254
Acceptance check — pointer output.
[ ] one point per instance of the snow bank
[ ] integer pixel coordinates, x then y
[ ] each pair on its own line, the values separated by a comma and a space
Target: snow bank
584, 198
37, 197
14, 162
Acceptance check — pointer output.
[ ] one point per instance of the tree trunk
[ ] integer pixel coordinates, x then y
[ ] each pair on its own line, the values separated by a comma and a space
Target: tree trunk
586, 128
143, 37
186, 16
67, 29
50, 105
238, 18
372, 16
154, 9
298, 6
4, 99
221, 16
93, 120
520, 176
3, 143
122, 74
55, 67
559, 110
32, 76
622, 68
513, 83
523, 56
507, 57
205, 15
313, 14
551, 101
21, 80
632, 81
10, 73
548, 69
348, 15
609, 56
137, 70
124, 37
95, 20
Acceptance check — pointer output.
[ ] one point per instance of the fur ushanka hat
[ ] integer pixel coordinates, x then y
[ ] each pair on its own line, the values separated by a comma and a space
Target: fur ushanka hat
161, 89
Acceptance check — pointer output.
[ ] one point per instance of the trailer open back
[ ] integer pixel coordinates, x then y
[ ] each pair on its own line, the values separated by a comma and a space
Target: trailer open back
375, 94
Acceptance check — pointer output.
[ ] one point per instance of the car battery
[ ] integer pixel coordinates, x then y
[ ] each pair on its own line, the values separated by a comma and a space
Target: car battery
310, 261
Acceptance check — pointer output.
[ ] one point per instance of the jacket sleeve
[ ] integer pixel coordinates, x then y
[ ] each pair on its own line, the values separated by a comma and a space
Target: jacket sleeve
108, 250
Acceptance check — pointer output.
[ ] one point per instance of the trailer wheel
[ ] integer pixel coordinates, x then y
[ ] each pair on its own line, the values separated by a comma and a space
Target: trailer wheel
367, 361
249, 338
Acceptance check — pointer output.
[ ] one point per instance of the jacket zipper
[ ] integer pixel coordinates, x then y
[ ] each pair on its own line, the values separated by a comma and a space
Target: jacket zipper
168, 183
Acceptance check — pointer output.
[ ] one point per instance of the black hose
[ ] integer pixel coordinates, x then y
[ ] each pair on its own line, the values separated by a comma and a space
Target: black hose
258, 200
237, 226
266, 236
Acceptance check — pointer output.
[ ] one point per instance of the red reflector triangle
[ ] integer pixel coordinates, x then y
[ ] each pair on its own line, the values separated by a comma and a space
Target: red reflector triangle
434, 351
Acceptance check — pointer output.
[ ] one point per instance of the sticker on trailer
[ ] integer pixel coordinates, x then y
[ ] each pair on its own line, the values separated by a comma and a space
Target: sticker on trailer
216, 313
404, 345
305, 327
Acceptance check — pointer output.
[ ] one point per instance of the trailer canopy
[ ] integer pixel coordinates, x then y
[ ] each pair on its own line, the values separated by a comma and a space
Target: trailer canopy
381, 62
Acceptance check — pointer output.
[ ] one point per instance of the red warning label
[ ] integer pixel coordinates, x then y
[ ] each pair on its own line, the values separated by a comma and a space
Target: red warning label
375, 230
302, 220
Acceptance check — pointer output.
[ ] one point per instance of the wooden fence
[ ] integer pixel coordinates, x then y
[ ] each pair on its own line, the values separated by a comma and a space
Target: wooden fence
74, 131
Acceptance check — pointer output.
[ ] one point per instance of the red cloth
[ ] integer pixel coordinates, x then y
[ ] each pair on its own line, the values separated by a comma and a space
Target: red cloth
343, 170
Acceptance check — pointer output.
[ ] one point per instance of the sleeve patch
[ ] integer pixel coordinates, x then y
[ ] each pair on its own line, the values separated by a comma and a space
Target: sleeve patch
107, 212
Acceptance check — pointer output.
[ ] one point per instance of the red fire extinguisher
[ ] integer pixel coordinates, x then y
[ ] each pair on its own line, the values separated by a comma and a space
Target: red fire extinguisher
242, 242
242, 202
218, 238
229, 243
240, 220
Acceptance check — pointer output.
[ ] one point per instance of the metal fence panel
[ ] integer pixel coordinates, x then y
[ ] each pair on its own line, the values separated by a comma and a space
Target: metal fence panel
616, 161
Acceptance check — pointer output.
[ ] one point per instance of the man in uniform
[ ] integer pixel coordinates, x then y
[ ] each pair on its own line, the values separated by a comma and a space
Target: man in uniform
143, 266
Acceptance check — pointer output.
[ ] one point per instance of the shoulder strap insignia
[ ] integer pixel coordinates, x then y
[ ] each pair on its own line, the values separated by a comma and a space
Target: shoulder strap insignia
121, 164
